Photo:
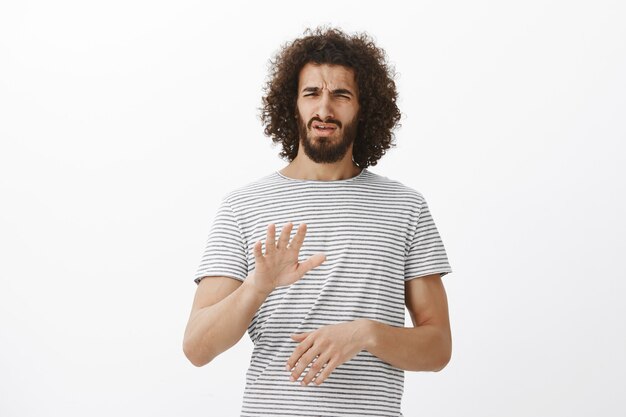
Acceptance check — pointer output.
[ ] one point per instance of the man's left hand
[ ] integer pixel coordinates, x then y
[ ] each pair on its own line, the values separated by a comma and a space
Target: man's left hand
332, 345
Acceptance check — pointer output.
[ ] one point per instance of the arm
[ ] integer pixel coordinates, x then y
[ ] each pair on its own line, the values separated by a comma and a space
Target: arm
425, 347
222, 310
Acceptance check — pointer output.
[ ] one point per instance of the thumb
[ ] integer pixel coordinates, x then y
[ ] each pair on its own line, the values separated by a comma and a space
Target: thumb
312, 262
299, 335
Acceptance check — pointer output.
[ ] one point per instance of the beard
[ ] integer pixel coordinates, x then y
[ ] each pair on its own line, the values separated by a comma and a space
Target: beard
326, 149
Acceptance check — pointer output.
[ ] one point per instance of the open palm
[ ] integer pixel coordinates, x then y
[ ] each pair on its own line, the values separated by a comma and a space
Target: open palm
279, 265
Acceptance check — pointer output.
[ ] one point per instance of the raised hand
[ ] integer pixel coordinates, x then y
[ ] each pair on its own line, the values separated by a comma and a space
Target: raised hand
279, 265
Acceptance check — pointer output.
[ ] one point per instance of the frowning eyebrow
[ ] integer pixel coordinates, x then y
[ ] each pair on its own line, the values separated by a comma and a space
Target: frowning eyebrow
337, 91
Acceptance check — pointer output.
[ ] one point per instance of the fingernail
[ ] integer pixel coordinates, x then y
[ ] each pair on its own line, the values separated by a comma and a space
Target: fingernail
291, 378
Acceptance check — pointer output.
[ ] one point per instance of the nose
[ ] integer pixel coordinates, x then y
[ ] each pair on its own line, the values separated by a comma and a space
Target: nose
325, 106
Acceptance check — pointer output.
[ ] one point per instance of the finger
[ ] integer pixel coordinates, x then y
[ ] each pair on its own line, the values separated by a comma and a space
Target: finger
316, 367
298, 352
302, 364
257, 249
297, 240
314, 261
284, 236
270, 241
330, 366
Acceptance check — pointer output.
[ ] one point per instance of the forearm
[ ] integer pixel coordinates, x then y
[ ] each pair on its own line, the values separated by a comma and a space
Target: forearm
216, 328
422, 348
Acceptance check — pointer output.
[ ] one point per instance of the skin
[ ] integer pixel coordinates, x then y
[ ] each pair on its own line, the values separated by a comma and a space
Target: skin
326, 93
330, 93
426, 346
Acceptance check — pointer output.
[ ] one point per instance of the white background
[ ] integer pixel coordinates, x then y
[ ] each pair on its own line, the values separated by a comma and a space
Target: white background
123, 123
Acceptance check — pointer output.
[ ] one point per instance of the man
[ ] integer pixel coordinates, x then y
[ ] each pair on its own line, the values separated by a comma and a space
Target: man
328, 331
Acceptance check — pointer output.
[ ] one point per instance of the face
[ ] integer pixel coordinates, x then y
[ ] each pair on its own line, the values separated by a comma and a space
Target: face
328, 109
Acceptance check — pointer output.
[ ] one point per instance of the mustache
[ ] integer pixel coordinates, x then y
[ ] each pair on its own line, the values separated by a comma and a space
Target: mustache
334, 121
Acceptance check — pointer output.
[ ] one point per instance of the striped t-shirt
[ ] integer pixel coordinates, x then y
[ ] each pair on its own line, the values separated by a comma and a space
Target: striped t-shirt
376, 233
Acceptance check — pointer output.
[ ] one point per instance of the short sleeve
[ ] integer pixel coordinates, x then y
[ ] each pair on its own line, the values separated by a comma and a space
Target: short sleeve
426, 253
225, 249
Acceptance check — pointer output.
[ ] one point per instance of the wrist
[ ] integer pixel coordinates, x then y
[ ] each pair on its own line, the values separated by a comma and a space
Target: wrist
258, 288
366, 332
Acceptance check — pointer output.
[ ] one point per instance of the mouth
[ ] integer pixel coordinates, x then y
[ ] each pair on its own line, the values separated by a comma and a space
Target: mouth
324, 129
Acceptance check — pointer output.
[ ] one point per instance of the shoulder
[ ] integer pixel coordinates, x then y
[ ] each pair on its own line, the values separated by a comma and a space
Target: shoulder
252, 189
397, 189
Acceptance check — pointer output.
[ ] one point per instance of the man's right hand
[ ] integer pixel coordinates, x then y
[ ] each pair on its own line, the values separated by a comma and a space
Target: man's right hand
279, 266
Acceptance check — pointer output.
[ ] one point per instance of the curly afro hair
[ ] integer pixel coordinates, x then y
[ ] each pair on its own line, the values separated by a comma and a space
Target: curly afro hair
378, 115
